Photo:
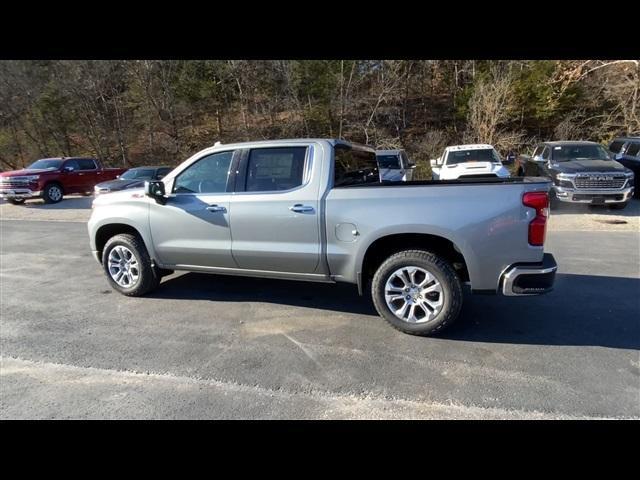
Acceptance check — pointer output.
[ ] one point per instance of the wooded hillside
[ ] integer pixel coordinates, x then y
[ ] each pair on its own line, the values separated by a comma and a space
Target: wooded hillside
131, 113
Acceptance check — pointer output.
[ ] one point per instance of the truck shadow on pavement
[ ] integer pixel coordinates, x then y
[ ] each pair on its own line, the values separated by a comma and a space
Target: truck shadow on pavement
583, 310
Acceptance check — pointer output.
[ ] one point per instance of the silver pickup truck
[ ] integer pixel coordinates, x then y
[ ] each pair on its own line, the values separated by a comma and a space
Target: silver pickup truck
316, 210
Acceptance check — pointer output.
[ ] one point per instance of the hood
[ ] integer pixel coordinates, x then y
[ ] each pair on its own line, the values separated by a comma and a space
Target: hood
473, 167
587, 166
119, 184
24, 171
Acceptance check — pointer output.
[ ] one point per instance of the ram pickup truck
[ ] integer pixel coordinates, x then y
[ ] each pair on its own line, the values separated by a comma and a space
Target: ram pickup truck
52, 178
468, 161
316, 210
582, 172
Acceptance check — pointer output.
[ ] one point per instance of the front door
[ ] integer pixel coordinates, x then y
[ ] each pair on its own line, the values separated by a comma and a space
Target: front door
193, 227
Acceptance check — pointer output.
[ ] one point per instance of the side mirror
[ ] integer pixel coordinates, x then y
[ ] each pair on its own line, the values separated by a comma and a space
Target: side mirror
155, 190
68, 169
434, 162
538, 158
617, 156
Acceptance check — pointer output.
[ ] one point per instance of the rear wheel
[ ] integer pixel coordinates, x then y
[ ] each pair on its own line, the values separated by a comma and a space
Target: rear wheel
417, 292
52, 193
128, 266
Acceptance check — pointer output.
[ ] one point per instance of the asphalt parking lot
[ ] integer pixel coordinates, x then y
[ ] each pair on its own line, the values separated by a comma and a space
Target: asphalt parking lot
205, 346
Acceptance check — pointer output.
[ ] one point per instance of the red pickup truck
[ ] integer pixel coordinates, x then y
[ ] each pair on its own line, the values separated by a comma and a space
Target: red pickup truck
52, 178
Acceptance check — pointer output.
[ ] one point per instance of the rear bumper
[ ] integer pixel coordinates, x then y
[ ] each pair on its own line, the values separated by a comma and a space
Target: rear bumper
571, 195
529, 279
19, 193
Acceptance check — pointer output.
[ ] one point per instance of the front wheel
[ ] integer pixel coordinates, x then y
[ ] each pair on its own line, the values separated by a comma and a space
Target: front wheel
52, 193
128, 266
417, 292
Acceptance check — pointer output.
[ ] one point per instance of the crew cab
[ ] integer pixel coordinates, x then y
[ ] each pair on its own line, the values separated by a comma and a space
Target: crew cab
52, 178
582, 172
395, 165
316, 210
465, 161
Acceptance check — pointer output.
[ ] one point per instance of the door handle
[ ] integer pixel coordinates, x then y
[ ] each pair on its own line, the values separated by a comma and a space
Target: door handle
216, 208
299, 208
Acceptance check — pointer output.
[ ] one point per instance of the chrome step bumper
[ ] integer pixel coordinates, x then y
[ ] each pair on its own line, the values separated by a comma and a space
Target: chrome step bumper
530, 279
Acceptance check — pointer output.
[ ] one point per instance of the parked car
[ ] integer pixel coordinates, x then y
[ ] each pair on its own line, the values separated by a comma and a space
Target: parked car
52, 178
316, 210
582, 172
132, 178
465, 161
628, 154
395, 165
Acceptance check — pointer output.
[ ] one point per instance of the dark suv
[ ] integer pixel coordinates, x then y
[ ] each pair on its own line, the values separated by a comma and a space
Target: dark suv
582, 172
626, 150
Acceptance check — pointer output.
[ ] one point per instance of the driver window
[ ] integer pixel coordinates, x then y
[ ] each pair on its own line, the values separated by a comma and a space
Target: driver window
73, 164
207, 175
545, 153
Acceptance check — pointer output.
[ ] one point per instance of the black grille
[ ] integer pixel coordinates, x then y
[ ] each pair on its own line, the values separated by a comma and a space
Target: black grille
591, 182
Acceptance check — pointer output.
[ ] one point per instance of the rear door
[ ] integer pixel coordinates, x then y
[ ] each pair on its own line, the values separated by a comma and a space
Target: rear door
275, 209
87, 174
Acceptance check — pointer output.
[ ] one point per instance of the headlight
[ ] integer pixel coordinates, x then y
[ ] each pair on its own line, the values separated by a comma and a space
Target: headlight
32, 178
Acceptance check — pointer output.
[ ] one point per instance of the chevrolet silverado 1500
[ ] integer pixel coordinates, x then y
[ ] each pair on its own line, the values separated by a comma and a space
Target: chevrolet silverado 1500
316, 210
52, 178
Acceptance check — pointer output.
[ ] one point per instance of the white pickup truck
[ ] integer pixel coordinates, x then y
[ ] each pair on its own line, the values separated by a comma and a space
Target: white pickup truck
465, 161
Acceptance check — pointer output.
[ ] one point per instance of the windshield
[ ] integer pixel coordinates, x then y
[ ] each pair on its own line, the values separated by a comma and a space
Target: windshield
566, 153
138, 174
45, 165
388, 161
479, 155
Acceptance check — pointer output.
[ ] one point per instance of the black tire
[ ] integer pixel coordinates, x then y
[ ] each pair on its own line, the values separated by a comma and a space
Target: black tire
440, 269
554, 203
16, 201
618, 206
148, 278
50, 193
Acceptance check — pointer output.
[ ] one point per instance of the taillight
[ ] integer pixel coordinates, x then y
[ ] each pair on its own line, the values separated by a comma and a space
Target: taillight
537, 226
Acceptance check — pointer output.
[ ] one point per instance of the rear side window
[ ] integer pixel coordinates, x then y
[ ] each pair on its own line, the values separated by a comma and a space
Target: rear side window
86, 164
273, 169
616, 145
354, 167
